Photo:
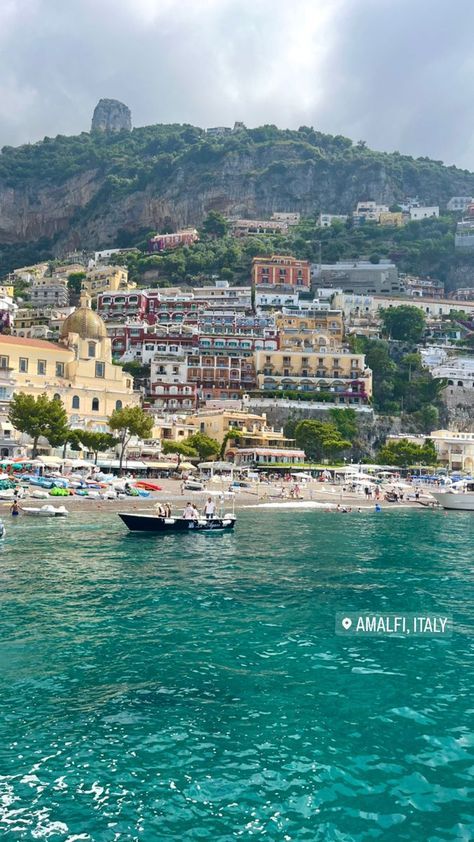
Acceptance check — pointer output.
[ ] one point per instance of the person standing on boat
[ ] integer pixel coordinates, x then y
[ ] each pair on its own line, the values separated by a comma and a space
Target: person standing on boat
209, 508
188, 512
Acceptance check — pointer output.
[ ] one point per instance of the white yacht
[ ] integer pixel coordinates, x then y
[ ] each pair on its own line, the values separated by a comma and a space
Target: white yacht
459, 496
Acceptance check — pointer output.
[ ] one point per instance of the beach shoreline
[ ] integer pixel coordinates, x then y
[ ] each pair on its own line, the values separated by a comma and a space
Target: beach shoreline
260, 497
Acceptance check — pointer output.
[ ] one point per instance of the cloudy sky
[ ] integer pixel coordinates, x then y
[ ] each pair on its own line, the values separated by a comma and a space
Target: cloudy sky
396, 73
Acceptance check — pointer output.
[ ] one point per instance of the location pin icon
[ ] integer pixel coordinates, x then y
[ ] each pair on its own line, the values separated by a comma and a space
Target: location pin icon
346, 623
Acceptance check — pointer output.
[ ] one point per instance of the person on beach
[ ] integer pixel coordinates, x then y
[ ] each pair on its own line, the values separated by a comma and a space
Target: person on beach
209, 508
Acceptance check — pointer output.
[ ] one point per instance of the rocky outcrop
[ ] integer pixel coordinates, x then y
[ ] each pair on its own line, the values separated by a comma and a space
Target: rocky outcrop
110, 115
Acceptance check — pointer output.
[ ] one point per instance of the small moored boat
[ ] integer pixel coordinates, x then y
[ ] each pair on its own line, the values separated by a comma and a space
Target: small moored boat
166, 525
45, 511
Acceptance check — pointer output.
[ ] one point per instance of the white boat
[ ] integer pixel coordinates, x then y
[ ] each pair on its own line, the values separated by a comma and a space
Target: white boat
460, 496
45, 511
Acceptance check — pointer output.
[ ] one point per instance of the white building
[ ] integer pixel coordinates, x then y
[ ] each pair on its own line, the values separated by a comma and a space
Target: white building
433, 356
267, 456
287, 217
424, 212
276, 299
464, 237
432, 307
325, 220
459, 203
458, 371
369, 211
169, 389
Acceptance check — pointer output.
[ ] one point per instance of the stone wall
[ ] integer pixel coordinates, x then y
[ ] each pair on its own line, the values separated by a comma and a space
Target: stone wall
459, 402
373, 429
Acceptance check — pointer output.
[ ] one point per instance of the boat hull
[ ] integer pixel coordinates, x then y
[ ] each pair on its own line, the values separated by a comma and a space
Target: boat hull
457, 501
44, 512
166, 526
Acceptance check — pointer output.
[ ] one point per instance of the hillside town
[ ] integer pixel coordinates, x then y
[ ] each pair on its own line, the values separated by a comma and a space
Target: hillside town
296, 342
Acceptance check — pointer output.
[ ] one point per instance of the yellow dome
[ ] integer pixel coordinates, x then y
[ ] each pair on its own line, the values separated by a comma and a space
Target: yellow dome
86, 323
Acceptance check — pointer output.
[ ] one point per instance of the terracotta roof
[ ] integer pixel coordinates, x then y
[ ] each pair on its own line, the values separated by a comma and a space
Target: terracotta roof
32, 343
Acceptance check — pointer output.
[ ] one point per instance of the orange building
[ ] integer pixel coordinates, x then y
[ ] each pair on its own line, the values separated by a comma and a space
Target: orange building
281, 270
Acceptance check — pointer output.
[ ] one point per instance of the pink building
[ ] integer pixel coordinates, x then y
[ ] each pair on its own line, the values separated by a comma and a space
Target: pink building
163, 242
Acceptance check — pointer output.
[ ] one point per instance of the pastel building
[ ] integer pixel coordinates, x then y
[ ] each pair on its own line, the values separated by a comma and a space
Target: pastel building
78, 370
330, 371
106, 279
324, 329
164, 242
281, 270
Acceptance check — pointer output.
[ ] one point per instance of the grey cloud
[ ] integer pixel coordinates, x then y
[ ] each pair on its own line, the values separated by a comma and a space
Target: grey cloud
397, 74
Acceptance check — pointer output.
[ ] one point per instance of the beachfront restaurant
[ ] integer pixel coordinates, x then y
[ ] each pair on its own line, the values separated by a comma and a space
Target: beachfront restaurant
267, 456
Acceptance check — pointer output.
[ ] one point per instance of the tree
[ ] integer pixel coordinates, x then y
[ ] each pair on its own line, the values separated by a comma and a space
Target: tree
39, 417
215, 224
403, 453
231, 435
74, 282
405, 322
345, 421
71, 438
205, 446
182, 448
319, 439
97, 442
127, 422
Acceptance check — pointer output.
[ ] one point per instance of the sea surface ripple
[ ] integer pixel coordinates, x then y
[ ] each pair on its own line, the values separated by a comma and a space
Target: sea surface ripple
178, 688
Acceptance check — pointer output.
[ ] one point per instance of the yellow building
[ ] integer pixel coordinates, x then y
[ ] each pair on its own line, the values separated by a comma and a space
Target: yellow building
106, 279
311, 331
394, 218
79, 370
454, 449
341, 372
7, 289
254, 430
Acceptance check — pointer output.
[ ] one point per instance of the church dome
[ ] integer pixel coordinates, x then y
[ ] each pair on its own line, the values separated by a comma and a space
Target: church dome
86, 323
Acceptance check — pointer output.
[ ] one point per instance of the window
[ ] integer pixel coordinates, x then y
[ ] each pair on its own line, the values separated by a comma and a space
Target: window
118, 404
59, 369
23, 365
100, 369
56, 397
75, 402
4, 362
91, 349
95, 404
41, 366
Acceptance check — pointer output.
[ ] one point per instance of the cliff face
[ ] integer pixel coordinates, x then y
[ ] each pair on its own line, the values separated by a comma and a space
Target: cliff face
82, 191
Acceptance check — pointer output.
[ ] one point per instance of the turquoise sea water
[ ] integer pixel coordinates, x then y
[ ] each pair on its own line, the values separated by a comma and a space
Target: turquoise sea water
179, 689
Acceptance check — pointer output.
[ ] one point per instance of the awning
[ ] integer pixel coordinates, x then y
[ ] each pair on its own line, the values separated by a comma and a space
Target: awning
51, 460
129, 465
186, 466
163, 466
